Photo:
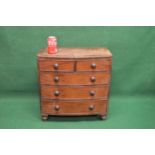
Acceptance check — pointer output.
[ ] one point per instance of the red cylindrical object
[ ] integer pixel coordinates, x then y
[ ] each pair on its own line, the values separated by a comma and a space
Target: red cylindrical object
52, 45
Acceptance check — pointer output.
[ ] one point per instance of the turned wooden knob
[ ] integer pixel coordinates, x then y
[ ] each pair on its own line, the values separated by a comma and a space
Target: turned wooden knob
57, 107
56, 66
93, 65
91, 107
93, 79
56, 79
56, 93
92, 93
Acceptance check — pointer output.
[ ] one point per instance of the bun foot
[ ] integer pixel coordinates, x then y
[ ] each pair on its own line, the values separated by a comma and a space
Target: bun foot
44, 118
103, 117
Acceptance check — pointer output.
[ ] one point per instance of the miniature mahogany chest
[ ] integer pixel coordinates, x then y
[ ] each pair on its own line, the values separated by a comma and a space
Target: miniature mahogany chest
74, 81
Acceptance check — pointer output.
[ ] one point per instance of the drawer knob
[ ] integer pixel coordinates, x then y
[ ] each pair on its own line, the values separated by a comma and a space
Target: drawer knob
92, 93
56, 66
56, 93
57, 107
56, 79
93, 65
91, 107
93, 79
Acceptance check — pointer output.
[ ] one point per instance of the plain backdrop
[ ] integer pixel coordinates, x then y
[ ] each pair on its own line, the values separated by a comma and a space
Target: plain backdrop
133, 75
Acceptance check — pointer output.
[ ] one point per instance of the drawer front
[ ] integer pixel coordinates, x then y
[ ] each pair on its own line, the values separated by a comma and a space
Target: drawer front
53, 65
74, 108
94, 65
85, 78
49, 92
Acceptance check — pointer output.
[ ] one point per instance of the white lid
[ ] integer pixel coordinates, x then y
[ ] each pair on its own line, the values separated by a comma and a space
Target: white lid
51, 37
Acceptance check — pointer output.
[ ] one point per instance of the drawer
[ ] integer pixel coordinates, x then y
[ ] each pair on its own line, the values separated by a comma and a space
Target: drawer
89, 107
65, 92
94, 65
76, 78
53, 65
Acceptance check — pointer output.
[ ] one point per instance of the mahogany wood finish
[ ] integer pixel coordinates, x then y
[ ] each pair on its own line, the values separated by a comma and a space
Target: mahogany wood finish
74, 78
88, 107
94, 65
74, 81
48, 65
78, 92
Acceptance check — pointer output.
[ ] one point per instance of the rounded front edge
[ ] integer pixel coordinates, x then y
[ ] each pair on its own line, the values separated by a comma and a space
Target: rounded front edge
100, 117
78, 114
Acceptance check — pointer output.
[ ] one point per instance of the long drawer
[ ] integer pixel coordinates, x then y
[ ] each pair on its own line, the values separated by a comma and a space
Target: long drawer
76, 78
89, 107
78, 92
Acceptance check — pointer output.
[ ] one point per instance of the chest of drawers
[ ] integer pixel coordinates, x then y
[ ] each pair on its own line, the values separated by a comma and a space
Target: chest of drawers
74, 82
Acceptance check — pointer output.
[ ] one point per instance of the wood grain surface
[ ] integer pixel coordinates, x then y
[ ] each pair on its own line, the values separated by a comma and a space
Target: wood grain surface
74, 81
74, 107
83, 92
76, 78
76, 53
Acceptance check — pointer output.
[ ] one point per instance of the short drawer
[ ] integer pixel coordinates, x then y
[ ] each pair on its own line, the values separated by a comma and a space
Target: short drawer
76, 78
78, 92
74, 107
94, 65
53, 65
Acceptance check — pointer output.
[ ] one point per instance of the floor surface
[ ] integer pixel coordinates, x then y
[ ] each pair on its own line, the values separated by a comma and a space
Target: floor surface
124, 112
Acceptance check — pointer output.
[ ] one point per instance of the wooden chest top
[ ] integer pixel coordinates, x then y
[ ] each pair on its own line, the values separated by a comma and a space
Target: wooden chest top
77, 53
